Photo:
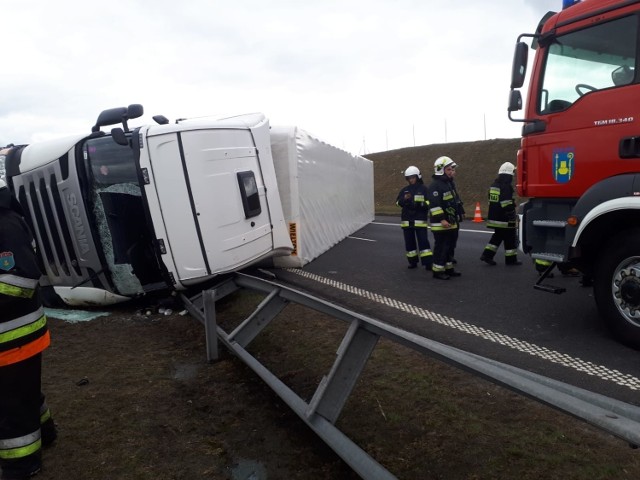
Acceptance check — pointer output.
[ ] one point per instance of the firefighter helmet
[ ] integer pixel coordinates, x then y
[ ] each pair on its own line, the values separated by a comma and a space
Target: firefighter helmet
441, 163
507, 167
412, 171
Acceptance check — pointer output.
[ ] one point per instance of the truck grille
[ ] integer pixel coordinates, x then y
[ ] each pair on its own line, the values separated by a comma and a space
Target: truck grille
62, 231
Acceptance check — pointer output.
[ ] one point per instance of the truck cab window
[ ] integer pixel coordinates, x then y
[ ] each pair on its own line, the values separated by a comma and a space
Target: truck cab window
588, 60
249, 193
116, 201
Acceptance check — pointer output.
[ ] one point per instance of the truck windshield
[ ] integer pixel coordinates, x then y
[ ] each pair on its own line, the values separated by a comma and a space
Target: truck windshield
594, 58
115, 199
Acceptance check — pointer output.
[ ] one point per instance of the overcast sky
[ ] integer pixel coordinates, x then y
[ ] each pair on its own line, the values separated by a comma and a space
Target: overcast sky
364, 75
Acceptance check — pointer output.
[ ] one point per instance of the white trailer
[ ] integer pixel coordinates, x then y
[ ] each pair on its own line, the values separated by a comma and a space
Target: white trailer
326, 193
169, 206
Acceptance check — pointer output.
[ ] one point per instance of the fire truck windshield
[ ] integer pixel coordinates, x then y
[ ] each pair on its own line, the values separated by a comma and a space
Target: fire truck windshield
587, 60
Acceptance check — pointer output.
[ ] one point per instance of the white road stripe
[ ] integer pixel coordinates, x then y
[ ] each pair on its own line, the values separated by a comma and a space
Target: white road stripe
544, 353
462, 229
365, 239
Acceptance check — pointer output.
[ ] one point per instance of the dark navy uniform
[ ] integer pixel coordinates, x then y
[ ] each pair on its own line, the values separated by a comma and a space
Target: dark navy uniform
502, 218
415, 214
25, 420
442, 206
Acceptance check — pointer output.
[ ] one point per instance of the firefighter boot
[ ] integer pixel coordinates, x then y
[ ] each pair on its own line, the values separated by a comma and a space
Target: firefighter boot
48, 432
452, 273
22, 468
441, 275
488, 260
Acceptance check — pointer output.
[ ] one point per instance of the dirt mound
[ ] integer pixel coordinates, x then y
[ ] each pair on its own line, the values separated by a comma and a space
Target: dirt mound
478, 166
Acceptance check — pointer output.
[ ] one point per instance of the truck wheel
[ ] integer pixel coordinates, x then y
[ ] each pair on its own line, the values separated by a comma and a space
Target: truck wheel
617, 287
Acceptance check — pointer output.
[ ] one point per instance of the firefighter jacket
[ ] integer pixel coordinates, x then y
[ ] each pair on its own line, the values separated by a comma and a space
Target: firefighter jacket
459, 203
415, 210
442, 204
502, 205
23, 325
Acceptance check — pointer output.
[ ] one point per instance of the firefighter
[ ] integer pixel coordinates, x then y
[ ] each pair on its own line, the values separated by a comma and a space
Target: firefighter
502, 218
443, 219
25, 420
415, 213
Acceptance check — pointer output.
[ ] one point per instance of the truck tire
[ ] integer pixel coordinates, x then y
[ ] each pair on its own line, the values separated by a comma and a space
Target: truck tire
617, 287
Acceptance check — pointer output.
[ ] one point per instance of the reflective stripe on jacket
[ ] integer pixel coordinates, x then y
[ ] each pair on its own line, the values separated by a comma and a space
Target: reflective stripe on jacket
442, 204
18, 354
502, 206
415, 208
15, 286
22, 318
22, 326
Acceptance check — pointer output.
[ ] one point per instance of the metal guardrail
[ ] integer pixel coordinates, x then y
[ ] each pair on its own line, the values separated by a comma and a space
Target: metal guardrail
321, 412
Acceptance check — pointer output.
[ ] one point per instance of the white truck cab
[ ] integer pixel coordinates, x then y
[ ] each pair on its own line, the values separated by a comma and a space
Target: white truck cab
162, 206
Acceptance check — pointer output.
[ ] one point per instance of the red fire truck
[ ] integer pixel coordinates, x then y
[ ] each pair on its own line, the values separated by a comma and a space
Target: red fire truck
579, 160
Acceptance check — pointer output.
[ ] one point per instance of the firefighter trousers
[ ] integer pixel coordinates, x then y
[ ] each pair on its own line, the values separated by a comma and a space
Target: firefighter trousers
443, 249
416, 243
510, 238
22, 409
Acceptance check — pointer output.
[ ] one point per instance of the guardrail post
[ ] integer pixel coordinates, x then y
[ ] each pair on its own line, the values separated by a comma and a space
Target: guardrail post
210, 325
352, 356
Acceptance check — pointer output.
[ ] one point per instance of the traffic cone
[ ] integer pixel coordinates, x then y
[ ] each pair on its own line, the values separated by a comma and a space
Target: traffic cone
477, 217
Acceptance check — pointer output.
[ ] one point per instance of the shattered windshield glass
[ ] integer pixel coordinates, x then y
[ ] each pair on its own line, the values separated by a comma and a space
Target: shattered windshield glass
116, 200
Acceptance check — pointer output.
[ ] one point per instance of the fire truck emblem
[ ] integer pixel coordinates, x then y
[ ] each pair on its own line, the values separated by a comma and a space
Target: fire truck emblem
563, 165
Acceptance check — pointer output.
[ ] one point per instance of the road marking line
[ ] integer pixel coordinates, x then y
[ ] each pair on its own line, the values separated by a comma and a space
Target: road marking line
462, 229
544, 353
364, 239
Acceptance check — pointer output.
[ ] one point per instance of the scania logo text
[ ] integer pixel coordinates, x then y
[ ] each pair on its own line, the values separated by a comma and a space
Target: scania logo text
78, 225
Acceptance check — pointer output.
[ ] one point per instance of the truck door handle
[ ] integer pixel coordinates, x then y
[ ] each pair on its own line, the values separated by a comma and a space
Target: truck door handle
629, 147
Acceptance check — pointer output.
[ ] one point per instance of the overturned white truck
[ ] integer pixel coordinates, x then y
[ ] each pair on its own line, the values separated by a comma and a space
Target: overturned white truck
169, 206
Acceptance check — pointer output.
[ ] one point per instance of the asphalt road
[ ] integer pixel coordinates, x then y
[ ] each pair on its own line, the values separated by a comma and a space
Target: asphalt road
492, 311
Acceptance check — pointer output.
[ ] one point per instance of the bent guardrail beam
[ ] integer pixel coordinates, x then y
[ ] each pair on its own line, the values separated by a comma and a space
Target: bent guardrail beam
611, 415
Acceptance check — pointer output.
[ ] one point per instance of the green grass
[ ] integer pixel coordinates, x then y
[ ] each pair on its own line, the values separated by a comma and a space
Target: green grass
421, 418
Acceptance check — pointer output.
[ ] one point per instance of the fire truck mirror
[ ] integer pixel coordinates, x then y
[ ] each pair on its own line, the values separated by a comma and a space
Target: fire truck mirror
519, 68
515, 101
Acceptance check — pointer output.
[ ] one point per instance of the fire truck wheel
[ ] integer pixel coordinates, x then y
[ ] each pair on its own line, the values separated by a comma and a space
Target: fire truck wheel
617, 287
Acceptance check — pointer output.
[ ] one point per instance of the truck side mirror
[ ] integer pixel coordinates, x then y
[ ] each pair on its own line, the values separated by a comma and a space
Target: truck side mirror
160, 119
119, 137
519, 67
515, 101
135, 110
109, 117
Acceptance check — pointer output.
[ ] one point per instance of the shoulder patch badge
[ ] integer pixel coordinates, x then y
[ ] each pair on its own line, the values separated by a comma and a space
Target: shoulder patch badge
7, 261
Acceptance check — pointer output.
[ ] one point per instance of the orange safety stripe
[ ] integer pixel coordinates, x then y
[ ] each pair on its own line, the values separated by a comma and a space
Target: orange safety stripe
18, 354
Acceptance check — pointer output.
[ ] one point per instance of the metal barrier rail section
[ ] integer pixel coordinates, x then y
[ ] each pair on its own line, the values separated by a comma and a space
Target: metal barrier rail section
321, 412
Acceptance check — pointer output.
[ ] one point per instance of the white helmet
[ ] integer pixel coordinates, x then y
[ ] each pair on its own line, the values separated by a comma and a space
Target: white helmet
411, 171
441, 163
507, 167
